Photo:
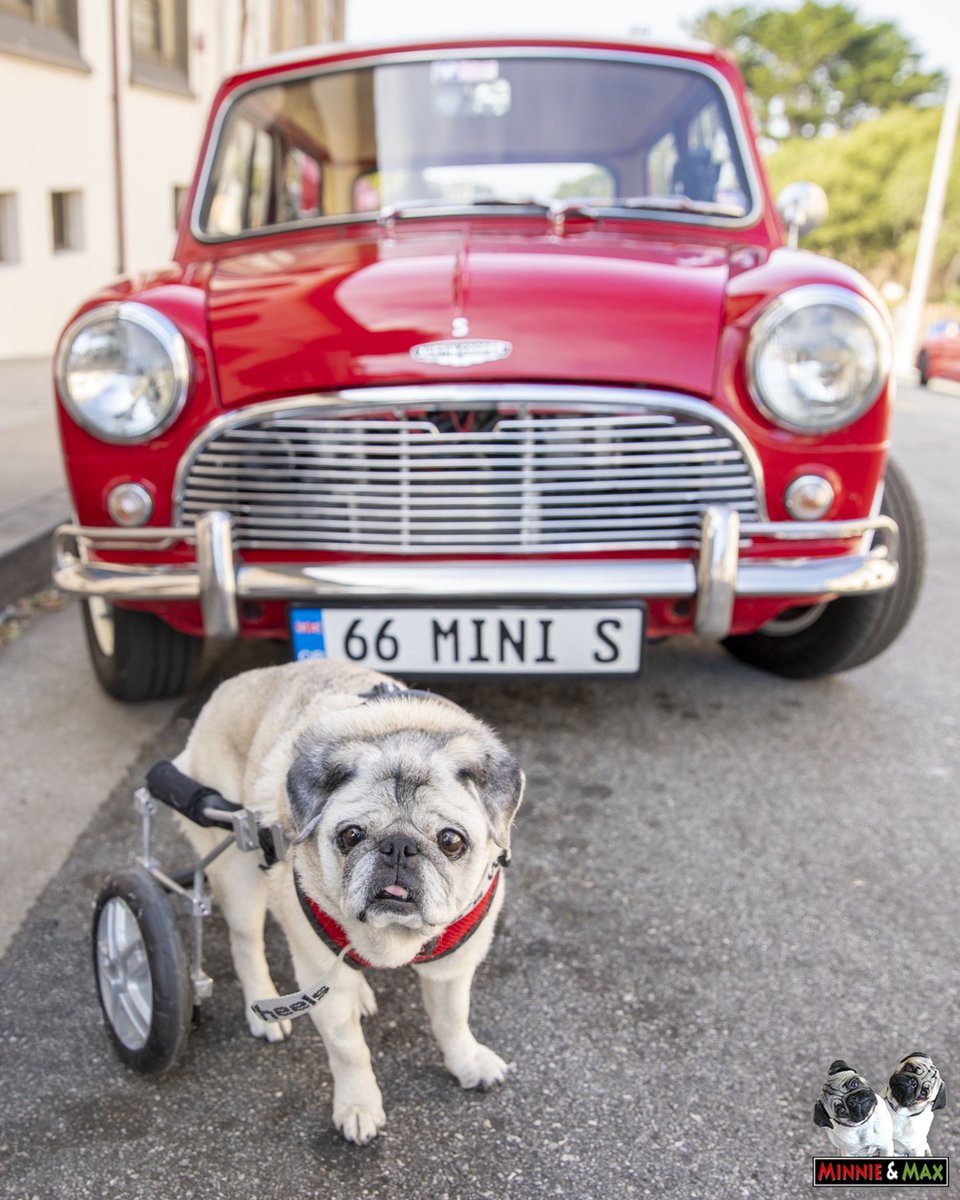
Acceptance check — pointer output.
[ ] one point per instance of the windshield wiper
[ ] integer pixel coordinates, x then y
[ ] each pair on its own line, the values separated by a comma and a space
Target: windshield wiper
554, 209
404, 208
507, 200
557, 210
675, 204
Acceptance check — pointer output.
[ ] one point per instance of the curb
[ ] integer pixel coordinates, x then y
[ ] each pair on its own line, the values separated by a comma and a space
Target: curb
27, 568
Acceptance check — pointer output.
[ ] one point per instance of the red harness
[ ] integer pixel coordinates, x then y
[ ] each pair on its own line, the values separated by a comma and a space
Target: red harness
452, 938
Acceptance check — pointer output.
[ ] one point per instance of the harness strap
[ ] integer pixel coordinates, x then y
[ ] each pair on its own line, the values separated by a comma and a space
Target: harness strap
332, 934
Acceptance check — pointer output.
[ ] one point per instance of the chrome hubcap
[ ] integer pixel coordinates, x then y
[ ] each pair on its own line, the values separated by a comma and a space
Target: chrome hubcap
124, 973
101, 618
794, 620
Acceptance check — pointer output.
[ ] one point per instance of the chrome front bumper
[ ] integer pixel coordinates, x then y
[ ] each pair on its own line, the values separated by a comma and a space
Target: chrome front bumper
714, 579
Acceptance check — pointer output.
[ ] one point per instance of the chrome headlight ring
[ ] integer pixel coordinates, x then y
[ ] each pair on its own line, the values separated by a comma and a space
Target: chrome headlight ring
124, 372
817, 358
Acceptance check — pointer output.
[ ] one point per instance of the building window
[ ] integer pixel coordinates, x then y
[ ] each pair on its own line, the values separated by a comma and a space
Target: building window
44, 29
302, 22
66, 210
9, 229
48, 14
159, 44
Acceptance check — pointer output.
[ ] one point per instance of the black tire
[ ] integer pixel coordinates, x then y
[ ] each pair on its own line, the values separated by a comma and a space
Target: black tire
141, 971
827, 638
923, 366
135, 655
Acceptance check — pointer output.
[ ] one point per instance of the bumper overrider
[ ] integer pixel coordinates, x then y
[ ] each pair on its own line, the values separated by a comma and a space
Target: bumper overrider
714, 578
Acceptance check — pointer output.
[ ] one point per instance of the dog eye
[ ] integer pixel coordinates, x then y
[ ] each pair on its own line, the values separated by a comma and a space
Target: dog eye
451, 843
924, 1093
347, 838
851, 1084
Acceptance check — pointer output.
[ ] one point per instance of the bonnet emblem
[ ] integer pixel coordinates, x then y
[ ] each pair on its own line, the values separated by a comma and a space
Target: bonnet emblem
460, 352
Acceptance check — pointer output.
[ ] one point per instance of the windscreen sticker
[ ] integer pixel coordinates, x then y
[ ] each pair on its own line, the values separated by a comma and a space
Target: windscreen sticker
465, 70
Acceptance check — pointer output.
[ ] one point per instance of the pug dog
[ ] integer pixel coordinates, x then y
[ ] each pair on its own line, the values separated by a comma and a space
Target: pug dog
913, 1094
857, 1121
397, 806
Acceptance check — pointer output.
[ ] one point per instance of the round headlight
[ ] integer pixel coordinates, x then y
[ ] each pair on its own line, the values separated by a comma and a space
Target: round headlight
818, 358
124, 372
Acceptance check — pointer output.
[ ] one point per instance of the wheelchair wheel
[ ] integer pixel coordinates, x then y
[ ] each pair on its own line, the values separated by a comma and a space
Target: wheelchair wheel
141, 970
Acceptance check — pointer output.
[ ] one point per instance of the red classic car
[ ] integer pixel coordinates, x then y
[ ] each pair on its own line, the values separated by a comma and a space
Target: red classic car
483, 358
939, 353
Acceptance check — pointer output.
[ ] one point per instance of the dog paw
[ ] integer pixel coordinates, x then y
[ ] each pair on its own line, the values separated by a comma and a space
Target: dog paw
368, 1001
359, 1123
269, 1031
480, 1069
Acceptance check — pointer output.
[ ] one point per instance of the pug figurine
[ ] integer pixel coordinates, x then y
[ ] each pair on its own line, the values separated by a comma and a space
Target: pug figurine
858, 1123
913, 1094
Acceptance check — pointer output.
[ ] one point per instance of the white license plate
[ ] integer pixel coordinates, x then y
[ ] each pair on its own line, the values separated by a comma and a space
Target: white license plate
474, 641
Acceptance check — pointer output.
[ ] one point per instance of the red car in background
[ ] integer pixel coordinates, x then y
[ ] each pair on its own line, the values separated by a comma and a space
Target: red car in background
939, 354
483, 358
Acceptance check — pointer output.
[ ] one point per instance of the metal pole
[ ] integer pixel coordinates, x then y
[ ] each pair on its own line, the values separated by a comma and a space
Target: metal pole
909, 328
117, 143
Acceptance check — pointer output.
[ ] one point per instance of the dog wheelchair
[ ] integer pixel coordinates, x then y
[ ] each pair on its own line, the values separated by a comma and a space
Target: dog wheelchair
150, 989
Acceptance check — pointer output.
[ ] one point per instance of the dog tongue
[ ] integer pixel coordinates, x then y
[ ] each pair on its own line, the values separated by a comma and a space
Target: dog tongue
395, 889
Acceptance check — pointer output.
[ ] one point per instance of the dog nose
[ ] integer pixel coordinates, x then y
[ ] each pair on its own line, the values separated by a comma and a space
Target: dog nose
906, 1085
860, 1103
396, 849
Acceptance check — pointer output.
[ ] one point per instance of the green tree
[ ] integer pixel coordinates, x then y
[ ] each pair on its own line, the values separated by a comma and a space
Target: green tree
876, 179
818, 67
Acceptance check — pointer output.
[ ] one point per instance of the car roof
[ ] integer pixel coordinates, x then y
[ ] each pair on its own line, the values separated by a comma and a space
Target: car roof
305, 56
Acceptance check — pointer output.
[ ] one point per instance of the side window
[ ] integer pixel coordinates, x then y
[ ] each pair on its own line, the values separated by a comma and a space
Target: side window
695, 160
228, 201
660, 163
301, 186
259, 183
242, 199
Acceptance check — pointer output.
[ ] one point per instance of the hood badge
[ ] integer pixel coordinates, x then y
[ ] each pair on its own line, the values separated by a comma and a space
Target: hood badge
460, 352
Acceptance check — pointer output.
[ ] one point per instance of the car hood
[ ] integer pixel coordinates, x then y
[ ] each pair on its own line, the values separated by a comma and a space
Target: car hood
593, 307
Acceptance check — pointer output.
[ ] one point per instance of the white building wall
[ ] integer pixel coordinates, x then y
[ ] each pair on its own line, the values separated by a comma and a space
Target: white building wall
52, 139
57, 134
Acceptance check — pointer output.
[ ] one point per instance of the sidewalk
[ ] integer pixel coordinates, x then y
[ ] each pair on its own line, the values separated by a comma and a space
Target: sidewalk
33, 494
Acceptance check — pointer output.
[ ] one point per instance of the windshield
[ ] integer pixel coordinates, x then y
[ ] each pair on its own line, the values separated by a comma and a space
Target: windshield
459, 132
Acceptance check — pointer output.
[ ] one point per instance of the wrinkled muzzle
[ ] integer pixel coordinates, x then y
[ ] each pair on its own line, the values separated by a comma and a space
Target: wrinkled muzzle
395, 875
860, 1104
904, 1087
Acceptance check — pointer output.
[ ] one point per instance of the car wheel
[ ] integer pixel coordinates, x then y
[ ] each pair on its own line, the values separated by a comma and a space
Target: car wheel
140, 966
821, 639
135, 655
923, 366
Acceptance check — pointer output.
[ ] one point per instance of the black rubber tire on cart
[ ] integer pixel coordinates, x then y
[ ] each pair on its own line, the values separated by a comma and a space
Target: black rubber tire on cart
923, 367
135, 655
141, 971
823, 639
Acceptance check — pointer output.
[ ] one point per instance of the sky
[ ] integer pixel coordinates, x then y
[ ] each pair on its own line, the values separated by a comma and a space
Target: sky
926, 22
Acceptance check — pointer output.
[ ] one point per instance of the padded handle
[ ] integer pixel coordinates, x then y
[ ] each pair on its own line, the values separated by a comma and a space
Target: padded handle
185, 795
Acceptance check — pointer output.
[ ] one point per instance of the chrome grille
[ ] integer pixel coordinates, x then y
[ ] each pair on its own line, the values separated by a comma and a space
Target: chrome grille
449, 477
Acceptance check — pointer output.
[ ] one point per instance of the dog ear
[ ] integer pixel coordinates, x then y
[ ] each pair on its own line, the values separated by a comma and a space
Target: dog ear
312, 779
837, 1066
499, 783
820, 1115
941, 1100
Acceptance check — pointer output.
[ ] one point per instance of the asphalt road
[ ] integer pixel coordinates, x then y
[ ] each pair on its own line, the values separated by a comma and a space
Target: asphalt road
721, 882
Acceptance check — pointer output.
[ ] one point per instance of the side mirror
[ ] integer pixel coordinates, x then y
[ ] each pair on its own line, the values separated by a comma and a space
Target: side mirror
802, 207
